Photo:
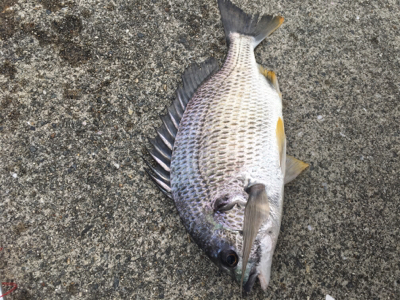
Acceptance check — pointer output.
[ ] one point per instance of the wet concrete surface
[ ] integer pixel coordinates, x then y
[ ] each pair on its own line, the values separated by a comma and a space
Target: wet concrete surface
81, 86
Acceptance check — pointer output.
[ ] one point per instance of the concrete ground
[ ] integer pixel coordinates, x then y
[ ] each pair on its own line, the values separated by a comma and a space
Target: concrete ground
81, 86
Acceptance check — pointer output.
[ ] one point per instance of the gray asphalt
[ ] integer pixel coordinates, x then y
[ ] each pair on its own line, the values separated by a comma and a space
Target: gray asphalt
81, 86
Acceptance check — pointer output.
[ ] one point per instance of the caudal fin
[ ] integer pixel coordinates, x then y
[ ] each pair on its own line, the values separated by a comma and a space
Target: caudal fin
236, 20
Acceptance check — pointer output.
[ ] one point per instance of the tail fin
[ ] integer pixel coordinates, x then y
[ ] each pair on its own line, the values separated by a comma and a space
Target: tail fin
236, 20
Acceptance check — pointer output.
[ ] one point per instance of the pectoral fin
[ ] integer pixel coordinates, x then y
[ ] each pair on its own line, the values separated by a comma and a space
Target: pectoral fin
256, 212
293, 168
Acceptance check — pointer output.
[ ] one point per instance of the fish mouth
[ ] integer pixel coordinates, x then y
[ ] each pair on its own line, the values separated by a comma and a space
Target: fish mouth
250, 282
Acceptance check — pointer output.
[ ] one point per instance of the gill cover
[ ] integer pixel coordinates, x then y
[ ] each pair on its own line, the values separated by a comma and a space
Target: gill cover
256, 212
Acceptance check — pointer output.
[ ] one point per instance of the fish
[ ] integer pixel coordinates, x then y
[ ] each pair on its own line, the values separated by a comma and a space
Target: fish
220, 153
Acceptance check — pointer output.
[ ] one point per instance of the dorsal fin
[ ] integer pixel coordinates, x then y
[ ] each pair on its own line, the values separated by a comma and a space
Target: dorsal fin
193, 77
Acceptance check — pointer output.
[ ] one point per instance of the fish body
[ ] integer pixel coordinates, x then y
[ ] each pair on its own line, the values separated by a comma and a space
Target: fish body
227, 142
222, 152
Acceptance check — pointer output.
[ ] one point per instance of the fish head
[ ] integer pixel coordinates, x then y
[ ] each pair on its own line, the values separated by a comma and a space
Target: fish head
227, 254
260, 258
267, 239
229, 241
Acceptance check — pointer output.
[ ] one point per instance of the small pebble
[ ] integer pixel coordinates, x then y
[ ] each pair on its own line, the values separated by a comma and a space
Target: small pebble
32, 149
116, 282
328, 297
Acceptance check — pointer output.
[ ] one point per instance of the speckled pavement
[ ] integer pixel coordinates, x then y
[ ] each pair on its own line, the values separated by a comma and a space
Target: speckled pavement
81, 86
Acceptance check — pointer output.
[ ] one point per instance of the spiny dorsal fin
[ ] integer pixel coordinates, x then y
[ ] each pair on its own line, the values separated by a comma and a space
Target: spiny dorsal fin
236, 20
256, 212
163, 143
281, 140
293, 168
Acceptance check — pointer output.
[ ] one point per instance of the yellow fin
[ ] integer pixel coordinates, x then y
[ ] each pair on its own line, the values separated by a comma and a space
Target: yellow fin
262, 70
271, 76
281, 139
293, 168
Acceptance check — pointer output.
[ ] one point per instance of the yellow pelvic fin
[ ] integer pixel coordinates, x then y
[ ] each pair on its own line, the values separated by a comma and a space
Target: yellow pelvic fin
293, 168
281, 139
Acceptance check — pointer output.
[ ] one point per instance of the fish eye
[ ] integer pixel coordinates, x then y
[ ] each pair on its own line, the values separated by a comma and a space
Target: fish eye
229, 258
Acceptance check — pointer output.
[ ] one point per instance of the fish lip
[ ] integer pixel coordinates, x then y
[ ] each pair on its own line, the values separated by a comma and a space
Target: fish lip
250, 282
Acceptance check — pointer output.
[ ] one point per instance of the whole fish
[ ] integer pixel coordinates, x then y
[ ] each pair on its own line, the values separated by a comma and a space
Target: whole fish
221, 153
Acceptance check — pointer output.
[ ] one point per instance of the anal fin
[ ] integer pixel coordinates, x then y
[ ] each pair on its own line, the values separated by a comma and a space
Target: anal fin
262, 69
281, 140
293, 168
271, 76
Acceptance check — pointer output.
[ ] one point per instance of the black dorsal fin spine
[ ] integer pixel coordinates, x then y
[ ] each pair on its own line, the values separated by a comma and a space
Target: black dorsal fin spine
178, 104
158, 171
173, 115
169, 125
159, 145
162, 145
161, 160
